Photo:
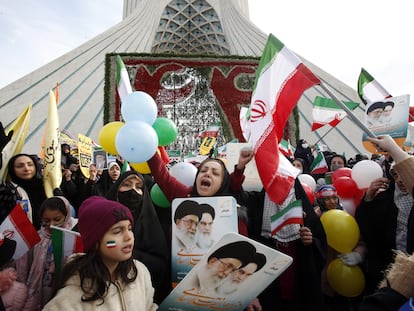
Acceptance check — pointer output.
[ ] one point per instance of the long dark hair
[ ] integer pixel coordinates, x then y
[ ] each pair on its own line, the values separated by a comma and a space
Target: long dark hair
33, 187
95, 277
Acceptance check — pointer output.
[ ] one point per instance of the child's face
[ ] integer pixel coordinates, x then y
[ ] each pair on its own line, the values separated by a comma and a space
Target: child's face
52, 218
117, 243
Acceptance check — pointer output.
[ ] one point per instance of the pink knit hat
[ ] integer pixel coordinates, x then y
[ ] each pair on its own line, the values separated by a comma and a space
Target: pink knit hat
96, 216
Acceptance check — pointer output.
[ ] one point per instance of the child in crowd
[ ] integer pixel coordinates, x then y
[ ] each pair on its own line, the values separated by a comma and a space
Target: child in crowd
13, 294
36, 268
106, 277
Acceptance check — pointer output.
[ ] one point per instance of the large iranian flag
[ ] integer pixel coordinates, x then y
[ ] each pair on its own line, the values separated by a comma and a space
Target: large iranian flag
369, 90
281, 79
122, 79
326, 111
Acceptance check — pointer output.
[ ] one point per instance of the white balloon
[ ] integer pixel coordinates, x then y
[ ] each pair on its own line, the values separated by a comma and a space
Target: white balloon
184, 172
308, 179
365, 172
348, 205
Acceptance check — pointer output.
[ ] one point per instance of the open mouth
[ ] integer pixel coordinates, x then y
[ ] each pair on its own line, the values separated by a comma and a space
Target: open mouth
127, 249
205, 183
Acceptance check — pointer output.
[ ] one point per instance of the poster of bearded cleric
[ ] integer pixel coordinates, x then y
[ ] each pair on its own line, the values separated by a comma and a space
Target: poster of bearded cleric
197, 223
228, 277
387, 116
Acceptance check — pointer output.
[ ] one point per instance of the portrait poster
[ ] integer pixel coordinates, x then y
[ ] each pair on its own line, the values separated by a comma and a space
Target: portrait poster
387, 117
252, 181
100, 159
246, 279
193, 236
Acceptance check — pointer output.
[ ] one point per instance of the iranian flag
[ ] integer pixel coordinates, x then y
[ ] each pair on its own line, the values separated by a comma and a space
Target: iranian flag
292, 214
319, 165
281, 79
17, 226
65, 243
122, 79
286, 148
369, 90
244, 118
326, 111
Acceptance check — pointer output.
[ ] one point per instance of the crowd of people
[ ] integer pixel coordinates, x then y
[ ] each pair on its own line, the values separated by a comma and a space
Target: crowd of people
126, 263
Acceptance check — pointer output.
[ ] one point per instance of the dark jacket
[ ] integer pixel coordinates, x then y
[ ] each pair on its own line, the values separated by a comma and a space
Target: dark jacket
150, 245
308, 260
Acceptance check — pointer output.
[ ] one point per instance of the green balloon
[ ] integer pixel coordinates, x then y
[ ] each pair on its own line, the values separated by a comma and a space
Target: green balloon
166, 130
158, 197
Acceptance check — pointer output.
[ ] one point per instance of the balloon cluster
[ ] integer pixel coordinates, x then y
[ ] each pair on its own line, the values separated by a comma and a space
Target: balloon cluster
349, 183
184, 172
342, 233
137, 139
352, 183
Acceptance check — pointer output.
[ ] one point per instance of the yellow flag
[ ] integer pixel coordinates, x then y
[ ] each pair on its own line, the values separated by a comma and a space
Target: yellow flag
206, 144
85, 153
42, 144
19, 126
52, 170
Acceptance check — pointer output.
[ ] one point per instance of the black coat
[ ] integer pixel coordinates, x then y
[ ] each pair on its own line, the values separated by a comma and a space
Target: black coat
150, 245
309, 260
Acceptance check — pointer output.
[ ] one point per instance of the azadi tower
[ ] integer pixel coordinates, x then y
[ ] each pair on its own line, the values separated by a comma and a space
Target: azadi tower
218, 28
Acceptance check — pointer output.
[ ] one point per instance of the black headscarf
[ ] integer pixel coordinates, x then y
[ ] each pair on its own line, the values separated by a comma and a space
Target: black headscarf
225, 188
150, 245
33, 187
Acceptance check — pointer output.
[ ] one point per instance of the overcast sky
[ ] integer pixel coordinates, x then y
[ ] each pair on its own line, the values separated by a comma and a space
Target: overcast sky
338, 36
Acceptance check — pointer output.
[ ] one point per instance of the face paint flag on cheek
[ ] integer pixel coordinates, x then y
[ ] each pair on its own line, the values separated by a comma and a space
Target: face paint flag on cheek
110, 244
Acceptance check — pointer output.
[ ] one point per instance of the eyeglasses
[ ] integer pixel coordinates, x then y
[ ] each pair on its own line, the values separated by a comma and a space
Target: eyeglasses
190, 222
228, 266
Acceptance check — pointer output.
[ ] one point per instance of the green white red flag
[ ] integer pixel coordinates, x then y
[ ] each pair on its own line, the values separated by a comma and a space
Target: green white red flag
17, 226
369, 90
326, 111
281, 79
64, 243
292, 214
286, 148
122, 79
319, 165
244, 118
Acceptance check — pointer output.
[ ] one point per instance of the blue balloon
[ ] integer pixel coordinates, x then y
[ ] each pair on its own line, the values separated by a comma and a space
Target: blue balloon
136, 141
139, 106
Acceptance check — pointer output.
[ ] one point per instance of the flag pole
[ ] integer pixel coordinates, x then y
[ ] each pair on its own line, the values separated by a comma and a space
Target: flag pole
348, 111
323, 136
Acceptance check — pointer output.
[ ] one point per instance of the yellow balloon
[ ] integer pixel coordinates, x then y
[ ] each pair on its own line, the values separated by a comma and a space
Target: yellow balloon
345, 280
142, 167
107, 136
342, 231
